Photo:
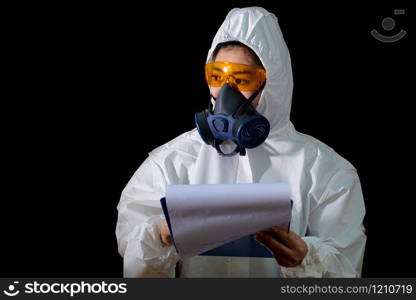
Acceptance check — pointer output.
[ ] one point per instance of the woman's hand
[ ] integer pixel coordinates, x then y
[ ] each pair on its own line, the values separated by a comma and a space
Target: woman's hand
165, 237
287, 247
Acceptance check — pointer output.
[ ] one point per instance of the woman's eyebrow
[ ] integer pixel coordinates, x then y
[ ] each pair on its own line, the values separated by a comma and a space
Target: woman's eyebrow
242, 72
218, 69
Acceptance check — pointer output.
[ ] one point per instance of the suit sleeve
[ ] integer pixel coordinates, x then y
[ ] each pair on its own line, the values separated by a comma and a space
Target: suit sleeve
335, 238
138, 226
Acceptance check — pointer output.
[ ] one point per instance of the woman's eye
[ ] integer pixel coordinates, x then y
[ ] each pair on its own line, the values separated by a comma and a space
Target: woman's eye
241, 81
216, 77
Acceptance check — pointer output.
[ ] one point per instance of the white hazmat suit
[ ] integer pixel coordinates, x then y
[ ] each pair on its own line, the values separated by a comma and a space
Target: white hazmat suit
328, 207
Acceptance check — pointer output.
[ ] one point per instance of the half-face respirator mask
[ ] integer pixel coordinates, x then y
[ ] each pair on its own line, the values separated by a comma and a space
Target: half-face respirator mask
233, 117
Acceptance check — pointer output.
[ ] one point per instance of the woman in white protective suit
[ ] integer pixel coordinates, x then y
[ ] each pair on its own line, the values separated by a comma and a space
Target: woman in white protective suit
326, 236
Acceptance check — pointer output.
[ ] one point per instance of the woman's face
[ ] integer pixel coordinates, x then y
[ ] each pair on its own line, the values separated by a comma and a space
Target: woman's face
238, 55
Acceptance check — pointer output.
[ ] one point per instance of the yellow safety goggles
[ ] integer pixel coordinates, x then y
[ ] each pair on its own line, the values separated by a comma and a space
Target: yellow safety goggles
243, 77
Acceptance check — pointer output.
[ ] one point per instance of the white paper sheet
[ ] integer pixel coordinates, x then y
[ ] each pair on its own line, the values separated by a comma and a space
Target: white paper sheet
205, 216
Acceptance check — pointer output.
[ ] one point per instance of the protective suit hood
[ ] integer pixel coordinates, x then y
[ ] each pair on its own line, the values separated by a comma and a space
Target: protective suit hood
258, 29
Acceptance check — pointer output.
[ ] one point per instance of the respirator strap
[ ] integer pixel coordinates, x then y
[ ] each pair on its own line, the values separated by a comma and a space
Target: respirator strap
249, 100
256, 93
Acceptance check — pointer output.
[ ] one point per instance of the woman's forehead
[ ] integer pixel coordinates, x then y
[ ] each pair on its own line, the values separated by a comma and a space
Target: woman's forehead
236, 54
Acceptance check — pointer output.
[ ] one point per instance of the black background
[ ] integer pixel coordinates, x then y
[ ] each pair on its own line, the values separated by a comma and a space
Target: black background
90, 90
